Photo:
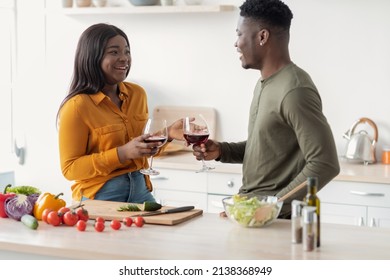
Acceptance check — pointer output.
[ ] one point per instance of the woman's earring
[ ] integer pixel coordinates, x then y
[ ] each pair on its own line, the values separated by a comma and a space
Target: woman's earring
261, 43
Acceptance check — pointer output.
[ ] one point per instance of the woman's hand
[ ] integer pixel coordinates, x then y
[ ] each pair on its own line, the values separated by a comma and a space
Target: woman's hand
175, 130
137, 148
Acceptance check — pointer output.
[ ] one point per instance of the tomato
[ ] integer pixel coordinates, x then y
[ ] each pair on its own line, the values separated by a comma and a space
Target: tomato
99, 226
81, 225
139, 221
61, 212
115, 224
83, 214
45, 213
53, 218
99, 219
70, 218
128, 221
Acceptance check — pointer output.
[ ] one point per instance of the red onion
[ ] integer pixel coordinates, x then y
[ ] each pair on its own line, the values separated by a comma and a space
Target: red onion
33, 198
17, 206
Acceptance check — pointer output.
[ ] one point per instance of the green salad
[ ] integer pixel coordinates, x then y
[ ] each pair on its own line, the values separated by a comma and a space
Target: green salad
243, 211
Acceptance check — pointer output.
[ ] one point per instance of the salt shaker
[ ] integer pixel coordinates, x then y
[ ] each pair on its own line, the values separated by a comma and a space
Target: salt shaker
296, 221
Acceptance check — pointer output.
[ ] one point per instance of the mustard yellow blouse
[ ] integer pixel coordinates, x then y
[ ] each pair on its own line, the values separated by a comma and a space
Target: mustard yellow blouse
91, 127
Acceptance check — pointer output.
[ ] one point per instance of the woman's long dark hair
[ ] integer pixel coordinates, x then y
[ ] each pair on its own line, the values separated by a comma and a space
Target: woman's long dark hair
88, 77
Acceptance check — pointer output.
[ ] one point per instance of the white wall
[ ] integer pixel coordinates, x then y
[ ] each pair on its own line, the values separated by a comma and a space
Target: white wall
189, 59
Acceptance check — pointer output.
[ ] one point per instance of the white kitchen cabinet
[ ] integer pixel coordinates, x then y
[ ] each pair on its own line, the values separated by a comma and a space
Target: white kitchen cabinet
356, 203
343, 214
378, 216
359, 195
181, 180
214, 203
180, 188
220, 185
181, 198
203, 190
223, 183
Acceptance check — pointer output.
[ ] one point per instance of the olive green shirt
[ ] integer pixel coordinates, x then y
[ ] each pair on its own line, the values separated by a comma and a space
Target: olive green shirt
289, 138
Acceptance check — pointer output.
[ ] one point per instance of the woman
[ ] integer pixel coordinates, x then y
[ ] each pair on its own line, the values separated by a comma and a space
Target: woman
101, 121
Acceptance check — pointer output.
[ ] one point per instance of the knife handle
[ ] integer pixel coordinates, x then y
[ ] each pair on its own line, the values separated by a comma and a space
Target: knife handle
179, 209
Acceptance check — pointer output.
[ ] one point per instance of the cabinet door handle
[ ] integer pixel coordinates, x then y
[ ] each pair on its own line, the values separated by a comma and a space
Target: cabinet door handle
366, 193
372, 223
160, 178
361, 222
230, 184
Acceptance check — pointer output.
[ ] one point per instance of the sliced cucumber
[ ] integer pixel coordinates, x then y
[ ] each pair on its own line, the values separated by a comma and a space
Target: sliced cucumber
151, 206
146, 206
29, 221
129, 207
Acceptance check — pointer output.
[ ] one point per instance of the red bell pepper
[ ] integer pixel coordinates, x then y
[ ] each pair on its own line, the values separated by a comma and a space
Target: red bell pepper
3, 197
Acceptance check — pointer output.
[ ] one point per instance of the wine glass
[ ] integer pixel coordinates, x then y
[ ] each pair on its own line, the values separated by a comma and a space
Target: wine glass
159, 133
196, 133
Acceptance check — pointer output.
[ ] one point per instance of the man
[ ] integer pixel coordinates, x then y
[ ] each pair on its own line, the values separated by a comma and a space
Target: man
289, 138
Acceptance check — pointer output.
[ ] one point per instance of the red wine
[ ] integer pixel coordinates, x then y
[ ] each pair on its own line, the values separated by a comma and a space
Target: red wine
154, 139
196, 138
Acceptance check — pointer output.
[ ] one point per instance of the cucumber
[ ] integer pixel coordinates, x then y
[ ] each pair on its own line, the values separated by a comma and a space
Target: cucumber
151, 206
146, 206
129, 207
29, 221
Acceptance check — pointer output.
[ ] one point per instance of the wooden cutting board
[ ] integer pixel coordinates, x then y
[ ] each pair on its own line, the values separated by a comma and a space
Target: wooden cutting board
174, 113
108, 211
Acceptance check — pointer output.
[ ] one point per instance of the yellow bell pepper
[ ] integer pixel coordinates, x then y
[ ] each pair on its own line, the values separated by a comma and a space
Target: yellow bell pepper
47, 200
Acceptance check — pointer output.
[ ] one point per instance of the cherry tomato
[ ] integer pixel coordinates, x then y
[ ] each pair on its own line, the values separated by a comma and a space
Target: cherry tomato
44, 214
70, 218
99, 219
53, 218
115, 224
61, 212
81, 225
139, 221
99, 226
128, 221
83, 214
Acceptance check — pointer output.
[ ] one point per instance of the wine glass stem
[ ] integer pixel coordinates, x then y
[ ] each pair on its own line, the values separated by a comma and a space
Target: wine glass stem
151, 163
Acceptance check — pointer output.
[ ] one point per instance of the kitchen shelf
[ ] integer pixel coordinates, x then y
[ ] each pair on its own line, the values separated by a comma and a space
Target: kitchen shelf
143, 10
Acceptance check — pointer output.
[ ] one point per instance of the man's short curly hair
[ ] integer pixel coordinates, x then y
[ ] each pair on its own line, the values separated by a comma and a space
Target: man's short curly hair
272, 12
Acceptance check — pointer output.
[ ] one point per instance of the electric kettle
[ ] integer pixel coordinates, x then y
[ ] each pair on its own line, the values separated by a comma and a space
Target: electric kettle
361, 147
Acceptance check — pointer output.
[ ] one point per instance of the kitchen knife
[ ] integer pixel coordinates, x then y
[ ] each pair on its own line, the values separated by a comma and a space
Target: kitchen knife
166, 211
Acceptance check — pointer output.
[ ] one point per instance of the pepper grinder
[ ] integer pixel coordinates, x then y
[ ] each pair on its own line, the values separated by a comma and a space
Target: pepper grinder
309, 228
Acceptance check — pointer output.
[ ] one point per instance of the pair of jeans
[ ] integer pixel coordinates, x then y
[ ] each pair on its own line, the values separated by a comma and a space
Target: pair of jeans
129, 187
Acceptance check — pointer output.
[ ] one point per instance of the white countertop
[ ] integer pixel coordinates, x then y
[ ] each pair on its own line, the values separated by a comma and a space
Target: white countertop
351, 172
202, 238
358, 172
184, 160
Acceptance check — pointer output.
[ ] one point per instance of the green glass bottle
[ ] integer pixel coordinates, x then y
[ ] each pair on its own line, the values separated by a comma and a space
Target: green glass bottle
312, 199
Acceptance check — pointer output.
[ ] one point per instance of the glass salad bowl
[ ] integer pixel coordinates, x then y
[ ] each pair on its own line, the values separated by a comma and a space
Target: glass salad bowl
252, 210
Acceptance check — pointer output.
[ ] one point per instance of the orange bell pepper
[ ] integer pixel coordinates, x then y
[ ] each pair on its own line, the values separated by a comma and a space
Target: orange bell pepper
47, 200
